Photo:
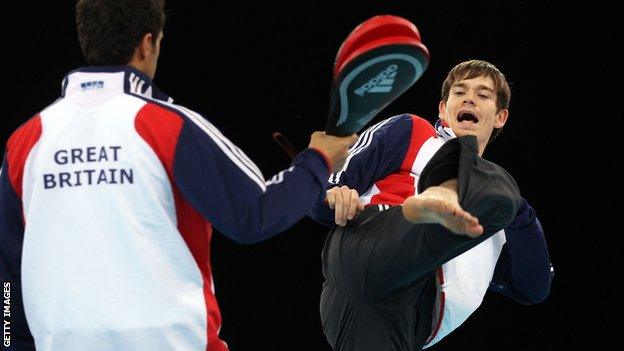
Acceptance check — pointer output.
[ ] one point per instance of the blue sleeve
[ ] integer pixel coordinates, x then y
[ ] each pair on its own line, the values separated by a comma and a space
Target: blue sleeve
229, 190
11, 238
379, 151
523, 271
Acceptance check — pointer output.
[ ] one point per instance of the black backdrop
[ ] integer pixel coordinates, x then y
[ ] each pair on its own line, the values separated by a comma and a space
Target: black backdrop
252, 69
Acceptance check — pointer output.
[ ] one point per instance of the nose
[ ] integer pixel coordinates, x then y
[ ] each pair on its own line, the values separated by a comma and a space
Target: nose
469, 99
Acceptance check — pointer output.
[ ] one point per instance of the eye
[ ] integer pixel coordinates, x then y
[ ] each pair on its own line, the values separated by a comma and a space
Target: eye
483, 96
458, 93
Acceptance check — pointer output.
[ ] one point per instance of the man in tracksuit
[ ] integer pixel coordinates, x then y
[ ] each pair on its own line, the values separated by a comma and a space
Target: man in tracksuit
439, 225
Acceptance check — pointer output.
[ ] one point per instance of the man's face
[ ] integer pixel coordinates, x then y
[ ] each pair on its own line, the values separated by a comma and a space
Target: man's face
471, 109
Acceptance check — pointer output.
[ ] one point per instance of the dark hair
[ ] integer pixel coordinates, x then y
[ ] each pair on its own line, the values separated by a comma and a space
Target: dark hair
476, 68
110, 30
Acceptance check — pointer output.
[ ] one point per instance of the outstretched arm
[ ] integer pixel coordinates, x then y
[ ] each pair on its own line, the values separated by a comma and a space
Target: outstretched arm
229, 190
224, 186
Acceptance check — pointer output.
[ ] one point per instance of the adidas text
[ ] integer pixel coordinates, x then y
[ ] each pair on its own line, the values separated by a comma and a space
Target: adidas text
382, 83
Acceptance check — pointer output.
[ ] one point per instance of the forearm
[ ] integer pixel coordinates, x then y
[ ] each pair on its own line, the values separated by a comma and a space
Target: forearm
249, 215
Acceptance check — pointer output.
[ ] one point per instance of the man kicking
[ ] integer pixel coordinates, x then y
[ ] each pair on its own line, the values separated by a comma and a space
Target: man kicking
441, 224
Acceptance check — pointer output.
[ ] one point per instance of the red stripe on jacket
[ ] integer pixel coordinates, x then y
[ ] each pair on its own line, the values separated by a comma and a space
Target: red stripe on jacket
398, 186
18, 148
160, 128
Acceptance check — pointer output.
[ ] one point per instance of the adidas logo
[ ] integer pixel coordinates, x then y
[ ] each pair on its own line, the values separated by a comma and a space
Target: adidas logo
381, 83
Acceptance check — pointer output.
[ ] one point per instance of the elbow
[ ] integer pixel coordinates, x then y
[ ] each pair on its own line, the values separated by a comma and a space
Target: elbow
541, 296
541, 291
533, 300
535, 296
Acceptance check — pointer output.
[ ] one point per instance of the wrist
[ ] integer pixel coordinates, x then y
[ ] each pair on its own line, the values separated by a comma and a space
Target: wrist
326, 159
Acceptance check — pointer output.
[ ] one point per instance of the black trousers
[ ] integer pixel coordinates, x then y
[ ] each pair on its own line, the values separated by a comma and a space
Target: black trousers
380, 269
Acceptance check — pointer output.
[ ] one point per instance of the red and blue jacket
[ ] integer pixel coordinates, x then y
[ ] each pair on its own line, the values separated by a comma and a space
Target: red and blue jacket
384, 167
108, 198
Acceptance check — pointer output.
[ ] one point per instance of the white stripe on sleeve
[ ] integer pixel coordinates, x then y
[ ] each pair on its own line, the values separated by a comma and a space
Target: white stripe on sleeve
236, 155
364, 141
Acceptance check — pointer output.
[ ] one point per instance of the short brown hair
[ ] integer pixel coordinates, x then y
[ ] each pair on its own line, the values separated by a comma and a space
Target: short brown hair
477, 68
110, 30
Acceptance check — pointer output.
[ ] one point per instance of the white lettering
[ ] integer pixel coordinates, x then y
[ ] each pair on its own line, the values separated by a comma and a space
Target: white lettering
6, 325
376, 80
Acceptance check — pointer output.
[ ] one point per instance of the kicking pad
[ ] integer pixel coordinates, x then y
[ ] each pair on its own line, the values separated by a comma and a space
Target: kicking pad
378, 62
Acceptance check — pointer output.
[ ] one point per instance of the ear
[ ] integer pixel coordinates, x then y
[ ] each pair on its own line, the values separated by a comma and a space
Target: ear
146, 46
501, 118
442, 110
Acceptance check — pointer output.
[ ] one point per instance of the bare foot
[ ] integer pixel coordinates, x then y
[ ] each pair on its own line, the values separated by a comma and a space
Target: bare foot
440, 205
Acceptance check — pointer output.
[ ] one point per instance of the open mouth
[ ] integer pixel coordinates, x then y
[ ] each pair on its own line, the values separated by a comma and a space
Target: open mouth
467, 116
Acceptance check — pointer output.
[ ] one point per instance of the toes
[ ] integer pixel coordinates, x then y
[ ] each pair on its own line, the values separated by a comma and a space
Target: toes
474, 230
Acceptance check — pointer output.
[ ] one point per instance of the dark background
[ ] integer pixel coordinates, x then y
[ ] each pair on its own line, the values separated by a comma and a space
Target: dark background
252, 69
